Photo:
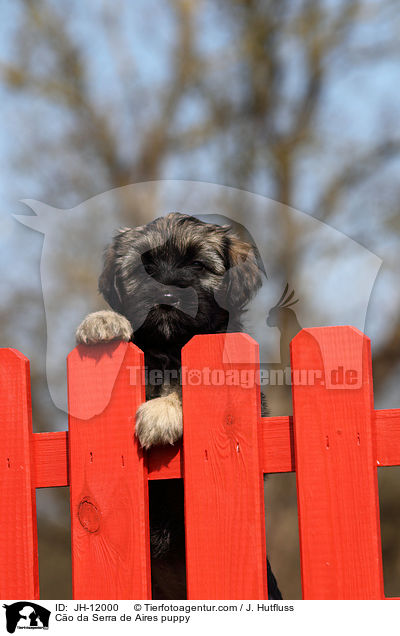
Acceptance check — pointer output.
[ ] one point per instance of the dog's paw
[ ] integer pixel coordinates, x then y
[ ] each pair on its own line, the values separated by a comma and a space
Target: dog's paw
159, 421
103, 326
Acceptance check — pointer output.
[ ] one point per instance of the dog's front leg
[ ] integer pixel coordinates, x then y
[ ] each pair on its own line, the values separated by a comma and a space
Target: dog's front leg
159, 421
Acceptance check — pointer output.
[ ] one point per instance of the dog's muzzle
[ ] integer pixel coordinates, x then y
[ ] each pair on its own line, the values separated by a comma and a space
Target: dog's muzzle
183, 298
170, 298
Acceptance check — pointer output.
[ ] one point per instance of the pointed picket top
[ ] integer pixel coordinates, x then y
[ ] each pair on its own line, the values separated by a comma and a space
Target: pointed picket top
96, 368
334, 433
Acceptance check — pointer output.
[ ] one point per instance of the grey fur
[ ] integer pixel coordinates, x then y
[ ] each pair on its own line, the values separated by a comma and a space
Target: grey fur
143, 264
103, 326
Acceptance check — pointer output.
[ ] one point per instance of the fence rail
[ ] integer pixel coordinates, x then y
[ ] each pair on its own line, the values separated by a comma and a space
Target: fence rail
334, 441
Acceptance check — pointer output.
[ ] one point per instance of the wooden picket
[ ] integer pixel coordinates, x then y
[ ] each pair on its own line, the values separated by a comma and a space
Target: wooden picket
108, 477
340, 540
334, 441
225, 543
18, 530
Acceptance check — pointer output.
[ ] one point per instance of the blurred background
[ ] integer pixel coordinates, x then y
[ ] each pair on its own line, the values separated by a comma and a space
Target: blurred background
295, 100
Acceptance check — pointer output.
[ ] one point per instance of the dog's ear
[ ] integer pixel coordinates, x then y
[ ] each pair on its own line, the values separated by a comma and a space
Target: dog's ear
243, 275
108, 281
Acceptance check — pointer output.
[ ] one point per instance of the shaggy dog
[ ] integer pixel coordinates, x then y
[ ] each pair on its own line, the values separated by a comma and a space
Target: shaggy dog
166, 282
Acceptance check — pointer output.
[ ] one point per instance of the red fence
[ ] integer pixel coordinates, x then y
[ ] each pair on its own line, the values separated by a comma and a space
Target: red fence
334, 442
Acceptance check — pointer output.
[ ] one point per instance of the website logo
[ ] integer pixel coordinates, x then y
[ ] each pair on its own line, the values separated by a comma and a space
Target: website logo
26, 615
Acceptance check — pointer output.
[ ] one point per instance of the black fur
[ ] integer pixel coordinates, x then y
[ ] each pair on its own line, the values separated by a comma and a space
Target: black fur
174, 278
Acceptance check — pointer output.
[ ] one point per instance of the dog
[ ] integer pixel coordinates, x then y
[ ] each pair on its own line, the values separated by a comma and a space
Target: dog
165, 282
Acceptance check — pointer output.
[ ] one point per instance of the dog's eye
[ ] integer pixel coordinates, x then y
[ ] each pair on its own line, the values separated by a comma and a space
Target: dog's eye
198, 265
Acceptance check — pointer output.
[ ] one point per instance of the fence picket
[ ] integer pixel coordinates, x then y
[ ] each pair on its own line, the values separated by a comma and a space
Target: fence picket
108, 479
224, 505
337, 489
18, 531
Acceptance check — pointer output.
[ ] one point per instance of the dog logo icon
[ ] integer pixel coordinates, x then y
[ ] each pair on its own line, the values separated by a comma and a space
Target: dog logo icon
26, 615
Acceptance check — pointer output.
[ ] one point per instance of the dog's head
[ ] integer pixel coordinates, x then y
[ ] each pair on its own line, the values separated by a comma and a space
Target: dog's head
165, 277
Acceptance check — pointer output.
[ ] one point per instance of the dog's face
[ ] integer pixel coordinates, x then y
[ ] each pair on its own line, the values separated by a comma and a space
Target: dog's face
165, 278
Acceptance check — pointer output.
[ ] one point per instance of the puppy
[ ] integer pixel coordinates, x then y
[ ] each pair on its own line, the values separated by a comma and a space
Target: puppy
166, 282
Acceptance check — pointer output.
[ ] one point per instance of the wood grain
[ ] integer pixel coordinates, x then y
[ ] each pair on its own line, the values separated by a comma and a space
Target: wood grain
387, 431
338, 507
18, 533
108, 479
224, 507
50, 450
50, 459
340, 440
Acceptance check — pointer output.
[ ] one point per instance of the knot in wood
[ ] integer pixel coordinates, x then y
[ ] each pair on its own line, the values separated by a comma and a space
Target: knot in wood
88, 515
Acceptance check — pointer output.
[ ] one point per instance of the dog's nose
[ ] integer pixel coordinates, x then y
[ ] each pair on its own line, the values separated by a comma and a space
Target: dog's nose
169, 298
